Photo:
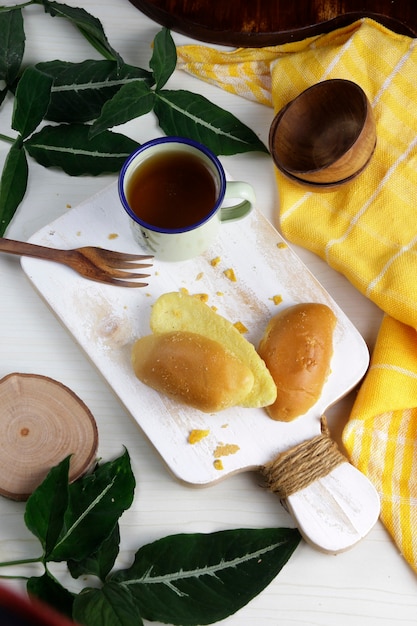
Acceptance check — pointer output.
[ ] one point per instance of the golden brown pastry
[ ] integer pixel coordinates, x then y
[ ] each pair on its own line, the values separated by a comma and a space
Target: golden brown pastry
178, 311
297, 347
192, 369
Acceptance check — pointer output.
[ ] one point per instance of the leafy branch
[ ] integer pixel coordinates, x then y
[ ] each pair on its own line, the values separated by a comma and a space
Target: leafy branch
185, 579
85, 100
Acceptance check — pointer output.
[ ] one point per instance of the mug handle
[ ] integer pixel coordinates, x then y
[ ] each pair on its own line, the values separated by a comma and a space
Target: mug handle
236, 190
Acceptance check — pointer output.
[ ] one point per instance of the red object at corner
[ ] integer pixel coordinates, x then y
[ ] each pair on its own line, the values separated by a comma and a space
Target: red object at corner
19, 610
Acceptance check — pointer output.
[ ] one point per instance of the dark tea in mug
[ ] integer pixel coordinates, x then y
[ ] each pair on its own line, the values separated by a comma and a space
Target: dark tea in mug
172, 189
175, 194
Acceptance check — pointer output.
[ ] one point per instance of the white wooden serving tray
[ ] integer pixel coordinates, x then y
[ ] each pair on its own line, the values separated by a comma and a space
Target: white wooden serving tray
105, 321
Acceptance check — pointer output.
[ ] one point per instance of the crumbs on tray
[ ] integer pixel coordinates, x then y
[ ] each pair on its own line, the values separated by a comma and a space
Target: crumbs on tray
197, 434
230, 274
224, 449
240, 327
201, 296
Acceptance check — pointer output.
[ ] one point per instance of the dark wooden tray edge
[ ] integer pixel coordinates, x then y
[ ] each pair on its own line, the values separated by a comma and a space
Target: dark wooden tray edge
261, 39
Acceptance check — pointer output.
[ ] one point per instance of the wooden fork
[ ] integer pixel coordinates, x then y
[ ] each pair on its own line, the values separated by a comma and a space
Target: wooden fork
104, 266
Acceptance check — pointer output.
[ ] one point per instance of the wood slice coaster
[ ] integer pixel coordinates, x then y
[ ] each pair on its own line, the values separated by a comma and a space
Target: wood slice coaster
41, 423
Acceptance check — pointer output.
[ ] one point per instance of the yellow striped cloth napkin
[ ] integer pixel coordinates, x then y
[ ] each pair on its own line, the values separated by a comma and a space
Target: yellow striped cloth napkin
366, 230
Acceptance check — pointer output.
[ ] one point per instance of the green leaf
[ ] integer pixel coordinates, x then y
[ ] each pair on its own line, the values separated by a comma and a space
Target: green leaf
13, 184
131, 101
112, 605
191, 579
164, 57
88, 25
81, 89
101, 562
69, 148
49, 591
96, 502
31, 101
45, 508
12, 45
191, 115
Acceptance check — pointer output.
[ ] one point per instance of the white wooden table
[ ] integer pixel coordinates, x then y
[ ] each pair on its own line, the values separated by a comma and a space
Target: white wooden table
368, 585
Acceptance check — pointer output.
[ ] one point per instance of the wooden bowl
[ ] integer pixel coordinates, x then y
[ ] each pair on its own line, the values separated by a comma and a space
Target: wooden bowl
326, 136
41, 423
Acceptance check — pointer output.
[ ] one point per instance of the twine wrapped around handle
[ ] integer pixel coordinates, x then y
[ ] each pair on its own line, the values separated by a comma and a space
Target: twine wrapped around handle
303, 464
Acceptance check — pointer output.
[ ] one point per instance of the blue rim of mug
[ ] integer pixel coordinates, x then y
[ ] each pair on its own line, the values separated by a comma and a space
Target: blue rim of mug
180, 140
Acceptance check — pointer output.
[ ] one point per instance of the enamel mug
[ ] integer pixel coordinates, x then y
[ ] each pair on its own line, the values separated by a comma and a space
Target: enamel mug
175, 193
